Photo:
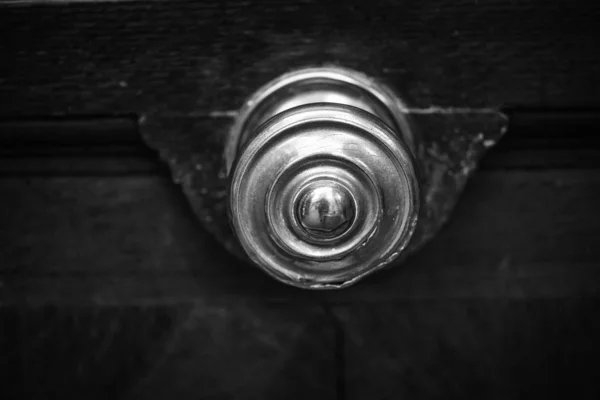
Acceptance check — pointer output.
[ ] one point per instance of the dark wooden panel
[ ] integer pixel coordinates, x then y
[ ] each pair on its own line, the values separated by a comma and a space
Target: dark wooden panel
133, 240
488, 349
69, 132
93, 146
205, 350
89, 146
201, 58
141, 302
548, 139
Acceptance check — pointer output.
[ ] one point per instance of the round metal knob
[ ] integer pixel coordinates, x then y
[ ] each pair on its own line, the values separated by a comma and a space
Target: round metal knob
326, 211
323, 180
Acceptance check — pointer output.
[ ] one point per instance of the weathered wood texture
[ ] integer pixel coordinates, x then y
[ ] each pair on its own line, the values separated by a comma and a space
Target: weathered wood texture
190, 58
134, 240
83, 146
69, 146
209, 350
487, 349
110, 288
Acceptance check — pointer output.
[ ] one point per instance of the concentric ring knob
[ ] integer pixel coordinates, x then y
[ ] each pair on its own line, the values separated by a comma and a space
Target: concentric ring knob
323, 180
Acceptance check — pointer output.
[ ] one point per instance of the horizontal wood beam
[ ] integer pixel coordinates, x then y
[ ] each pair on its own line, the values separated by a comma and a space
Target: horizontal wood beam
193, 58
133, 240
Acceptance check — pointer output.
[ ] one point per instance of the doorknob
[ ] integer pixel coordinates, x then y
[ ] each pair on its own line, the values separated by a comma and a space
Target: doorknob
323, 177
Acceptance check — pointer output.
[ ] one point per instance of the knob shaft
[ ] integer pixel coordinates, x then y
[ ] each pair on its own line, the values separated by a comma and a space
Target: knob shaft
323, 180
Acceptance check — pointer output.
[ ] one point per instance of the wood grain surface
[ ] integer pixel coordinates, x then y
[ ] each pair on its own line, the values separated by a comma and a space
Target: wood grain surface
134, 240
196, 58
110, 288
